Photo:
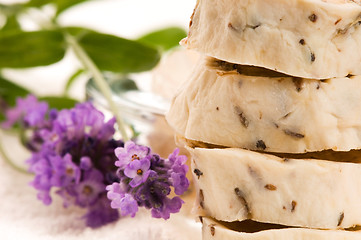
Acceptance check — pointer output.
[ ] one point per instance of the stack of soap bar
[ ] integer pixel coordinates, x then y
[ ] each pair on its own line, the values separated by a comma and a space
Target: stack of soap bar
272, 118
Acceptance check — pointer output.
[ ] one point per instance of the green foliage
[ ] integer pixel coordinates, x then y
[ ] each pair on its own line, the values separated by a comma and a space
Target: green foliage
38, 3
61, 5
59, 102
30, 49
11, 24
9, 91
111, 53
164, 39
11, 9
72, 79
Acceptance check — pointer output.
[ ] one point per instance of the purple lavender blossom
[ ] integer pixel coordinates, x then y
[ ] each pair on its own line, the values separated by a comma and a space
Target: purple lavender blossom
41, 167
138, 171
83, 120
85, 163
100, 213
64, 171
44, 196
180, 183
89, 189
73, 152
124, 201
130, 152
128, 205
31, 115
28, 111
147, 181
169, 206
178, 172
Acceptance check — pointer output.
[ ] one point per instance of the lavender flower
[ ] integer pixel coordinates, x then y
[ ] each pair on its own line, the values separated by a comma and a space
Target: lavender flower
178, 172
73, 152
87, 192
145, 180
28, 112
64, 170
100, 213
130, 152
169, 206
138, 171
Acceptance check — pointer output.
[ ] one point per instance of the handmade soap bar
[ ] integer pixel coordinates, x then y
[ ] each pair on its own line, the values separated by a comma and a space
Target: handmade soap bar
305, 38
254, 108
236, 184
213, 230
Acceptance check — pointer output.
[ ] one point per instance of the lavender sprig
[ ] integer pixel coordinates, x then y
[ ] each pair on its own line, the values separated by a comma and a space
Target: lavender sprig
74, 152
145, 180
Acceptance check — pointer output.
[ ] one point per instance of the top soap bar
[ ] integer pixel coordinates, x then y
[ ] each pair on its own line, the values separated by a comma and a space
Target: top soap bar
316, 39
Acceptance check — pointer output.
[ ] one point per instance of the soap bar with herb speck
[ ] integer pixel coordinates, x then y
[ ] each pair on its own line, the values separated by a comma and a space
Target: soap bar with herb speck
304, 38
254, 108
236, 184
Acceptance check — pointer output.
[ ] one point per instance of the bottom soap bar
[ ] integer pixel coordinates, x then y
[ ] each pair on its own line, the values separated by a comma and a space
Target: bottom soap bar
236, 184
213, 230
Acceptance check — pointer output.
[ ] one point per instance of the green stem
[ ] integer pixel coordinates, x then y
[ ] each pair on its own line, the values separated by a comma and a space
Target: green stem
99, 81
11, 163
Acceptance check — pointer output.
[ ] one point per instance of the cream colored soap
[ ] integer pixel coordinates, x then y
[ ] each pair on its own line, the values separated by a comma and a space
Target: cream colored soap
268, 111
305, 38
236, 184
213, 230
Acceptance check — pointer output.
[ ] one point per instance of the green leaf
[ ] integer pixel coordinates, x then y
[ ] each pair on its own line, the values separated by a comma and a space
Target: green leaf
11, 9
77, 32
111, 53
165, 39
30, 49
72, 79
2, 116
59, 102
63, 5
38, 3
11, 24
9, 91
